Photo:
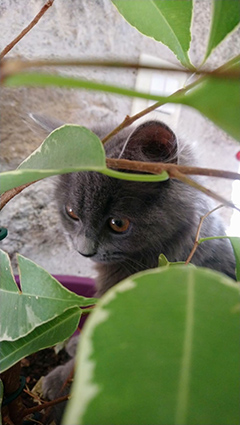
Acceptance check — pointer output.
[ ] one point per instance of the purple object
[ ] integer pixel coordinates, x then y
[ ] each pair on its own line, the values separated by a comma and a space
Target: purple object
79, 285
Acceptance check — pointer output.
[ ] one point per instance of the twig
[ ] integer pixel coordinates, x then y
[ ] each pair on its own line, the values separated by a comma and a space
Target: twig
159, 167
16, 65
46, 404
9, 194
154, 168
129, 120
27, 29
196, 242
179, 176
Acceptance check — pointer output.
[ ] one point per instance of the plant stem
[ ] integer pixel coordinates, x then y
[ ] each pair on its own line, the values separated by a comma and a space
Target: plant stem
27, 29
196, 242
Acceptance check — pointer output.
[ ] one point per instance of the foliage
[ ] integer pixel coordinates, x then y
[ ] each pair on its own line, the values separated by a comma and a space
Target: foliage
160, 347
158, 360
46, 311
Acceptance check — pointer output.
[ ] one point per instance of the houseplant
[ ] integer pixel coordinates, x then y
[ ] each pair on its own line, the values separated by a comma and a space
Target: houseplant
210, 94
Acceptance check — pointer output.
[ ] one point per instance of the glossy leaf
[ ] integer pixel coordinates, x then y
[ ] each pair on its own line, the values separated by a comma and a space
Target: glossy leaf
218, 99
67, 149
167, 21
225, 17
161, 347
41, 298
46, 335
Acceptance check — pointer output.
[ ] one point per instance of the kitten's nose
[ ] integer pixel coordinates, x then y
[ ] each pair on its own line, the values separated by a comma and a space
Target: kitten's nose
89, 254
86, 246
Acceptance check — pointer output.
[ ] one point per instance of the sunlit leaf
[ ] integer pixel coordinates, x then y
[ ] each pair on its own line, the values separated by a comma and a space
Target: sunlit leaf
168, 21
42, 298
67, 149
44, 336
161, 347
218, 99
225, 17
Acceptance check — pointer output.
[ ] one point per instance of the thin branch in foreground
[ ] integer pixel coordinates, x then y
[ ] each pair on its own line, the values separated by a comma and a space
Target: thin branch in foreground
27, 29
17, 65
129, 120
9, 194
46, 404
196, 242
159, 167
174, 171
179, 176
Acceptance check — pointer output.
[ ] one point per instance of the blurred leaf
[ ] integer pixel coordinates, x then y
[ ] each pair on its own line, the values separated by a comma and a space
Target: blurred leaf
172, 358
235, 241
225, 17
218, 99
42, 298
43, 336
1, 400
67, 149
167, 21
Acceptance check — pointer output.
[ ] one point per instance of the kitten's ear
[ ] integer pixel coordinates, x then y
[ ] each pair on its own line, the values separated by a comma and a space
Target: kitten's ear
45, 123
152, 141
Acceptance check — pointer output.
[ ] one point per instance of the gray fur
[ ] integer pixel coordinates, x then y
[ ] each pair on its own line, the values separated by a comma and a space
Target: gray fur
164, 219
164, 216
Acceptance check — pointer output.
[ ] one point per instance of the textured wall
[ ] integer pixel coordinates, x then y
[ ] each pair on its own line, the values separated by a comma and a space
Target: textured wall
84, 29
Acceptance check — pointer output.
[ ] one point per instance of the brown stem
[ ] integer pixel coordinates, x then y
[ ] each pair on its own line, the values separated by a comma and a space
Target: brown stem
129, 120
27, 29
196, 242
178, 175
159, 167
154, 168
16, 65
46, 404
9, 194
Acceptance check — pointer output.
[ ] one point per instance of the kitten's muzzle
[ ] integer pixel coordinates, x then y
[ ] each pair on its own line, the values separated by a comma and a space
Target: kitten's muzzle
86, 246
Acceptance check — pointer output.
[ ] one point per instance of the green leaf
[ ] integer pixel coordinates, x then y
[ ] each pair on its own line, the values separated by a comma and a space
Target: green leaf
67, 149
1, 400
225, 17
218, 99
172, 358
44, 336
235, 241
168, 21
41, 299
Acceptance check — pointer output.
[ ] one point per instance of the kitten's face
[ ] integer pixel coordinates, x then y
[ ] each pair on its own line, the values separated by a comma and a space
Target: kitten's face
107, 219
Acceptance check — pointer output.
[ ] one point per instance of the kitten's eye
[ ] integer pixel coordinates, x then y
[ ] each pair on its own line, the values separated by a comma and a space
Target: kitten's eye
71, 213
119, 225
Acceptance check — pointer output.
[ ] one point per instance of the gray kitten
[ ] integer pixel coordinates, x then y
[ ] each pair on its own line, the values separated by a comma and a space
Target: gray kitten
124, 226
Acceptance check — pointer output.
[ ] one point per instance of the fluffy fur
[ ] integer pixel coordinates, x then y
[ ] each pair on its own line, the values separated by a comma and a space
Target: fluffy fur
163, 216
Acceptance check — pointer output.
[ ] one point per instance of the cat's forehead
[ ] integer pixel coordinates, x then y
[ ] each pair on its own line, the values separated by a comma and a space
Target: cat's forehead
91, 189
